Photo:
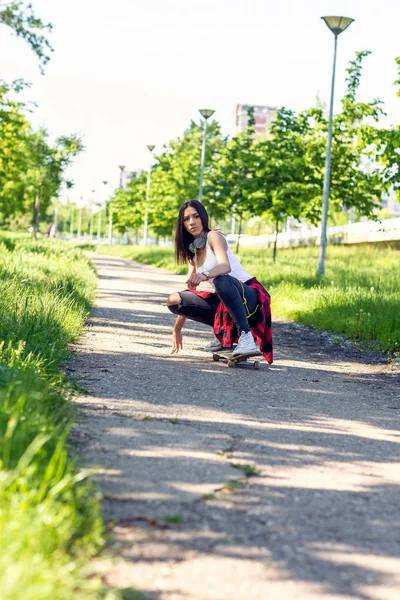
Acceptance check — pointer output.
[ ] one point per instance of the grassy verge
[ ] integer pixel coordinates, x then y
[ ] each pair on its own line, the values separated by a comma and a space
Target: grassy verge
359, 296
50, 519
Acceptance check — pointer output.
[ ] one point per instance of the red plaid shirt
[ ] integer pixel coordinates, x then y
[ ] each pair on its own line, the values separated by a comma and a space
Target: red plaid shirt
260, 322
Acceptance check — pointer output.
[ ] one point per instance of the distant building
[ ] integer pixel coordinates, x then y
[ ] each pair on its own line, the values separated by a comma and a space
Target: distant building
127, 176
392, 204
263, 116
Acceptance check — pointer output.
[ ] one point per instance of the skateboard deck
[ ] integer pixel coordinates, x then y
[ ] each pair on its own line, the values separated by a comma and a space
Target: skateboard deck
234, 361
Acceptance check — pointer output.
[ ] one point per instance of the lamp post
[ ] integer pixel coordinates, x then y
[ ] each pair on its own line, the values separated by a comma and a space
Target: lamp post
110, 217
80, 219
99, 223
146, 212
337, 25
206, 113
99, 216
71, 228
121, 176
55, 221
91, 218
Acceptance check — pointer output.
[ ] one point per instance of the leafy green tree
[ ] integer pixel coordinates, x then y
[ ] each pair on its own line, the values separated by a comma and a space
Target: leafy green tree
294, 171
286, 177
128, 205
15, 132
20, 17
387, 145
175, 178
356, 180
232, 185
31, 169
45, 175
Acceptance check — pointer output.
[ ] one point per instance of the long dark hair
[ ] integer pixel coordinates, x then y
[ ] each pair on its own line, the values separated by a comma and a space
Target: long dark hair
183, 238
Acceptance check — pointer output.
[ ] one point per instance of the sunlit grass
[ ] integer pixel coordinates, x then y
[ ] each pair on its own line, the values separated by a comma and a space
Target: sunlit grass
359, 296
49, 515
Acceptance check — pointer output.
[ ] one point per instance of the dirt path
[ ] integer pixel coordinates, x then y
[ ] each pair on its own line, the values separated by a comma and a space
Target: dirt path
234, 484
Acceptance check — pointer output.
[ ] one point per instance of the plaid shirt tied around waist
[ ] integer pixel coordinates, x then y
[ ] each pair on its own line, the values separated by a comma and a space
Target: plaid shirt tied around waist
260, 323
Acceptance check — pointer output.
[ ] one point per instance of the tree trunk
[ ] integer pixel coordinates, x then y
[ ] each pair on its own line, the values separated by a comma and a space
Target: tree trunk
35, 220
239, 234
276, 240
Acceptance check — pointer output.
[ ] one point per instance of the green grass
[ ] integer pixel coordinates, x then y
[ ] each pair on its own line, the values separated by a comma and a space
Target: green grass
174, 519
248, 470
232, 486
359, 296
50, 521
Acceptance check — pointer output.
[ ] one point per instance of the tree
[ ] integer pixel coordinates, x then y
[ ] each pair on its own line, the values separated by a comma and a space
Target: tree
287, 178
293, 174
356, 180
31, 169
175, 178
128, 205
232, 184
15, 132
44, 178
387, 145
23, 22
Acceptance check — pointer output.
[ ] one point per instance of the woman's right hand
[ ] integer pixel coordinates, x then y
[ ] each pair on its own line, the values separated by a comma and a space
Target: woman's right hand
176, 341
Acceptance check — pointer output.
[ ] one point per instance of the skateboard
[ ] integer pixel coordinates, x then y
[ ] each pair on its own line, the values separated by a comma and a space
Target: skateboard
234, 361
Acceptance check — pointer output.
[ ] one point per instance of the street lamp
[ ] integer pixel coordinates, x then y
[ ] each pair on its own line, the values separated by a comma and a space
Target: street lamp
146, 213
110, 217
91, 217
121, 176
337, 25
71, 229
80, 218
206, 113
99, 216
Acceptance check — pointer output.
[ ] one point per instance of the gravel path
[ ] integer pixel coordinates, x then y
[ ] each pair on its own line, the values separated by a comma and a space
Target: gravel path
234, 484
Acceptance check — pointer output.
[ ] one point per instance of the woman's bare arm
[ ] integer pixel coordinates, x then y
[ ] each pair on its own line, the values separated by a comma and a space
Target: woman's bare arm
219, 246
191, 272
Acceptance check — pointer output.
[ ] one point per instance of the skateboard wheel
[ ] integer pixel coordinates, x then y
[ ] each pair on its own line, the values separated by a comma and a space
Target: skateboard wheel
231, 363
215, 358
256, 364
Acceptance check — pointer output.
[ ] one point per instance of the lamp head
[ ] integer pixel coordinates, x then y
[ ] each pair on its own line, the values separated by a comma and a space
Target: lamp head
337, 24
151, 148
122, 167
206, 113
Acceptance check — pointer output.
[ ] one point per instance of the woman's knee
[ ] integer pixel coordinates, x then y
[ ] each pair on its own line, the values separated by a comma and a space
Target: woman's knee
221, 279
222, 282
173, 299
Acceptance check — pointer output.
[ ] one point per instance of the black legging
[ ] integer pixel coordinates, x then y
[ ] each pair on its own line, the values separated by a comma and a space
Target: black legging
230, 292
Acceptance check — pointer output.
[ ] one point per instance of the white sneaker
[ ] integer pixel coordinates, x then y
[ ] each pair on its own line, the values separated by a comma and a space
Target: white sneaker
246, 344
213, 346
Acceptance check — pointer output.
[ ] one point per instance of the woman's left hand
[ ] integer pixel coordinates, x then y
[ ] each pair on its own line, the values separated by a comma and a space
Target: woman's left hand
195, 279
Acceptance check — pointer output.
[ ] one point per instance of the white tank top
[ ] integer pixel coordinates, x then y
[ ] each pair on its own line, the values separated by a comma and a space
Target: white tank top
236, 268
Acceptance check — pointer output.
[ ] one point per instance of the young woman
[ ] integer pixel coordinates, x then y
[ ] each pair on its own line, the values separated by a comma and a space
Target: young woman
239, 307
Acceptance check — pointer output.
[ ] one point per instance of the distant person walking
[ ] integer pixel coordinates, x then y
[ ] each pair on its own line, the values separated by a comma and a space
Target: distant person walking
239, 307
51, 231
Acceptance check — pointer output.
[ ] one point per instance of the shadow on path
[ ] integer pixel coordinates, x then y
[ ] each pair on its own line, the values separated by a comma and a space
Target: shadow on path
293, 470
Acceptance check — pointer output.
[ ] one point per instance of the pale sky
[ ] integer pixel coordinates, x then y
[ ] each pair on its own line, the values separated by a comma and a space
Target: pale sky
128, 73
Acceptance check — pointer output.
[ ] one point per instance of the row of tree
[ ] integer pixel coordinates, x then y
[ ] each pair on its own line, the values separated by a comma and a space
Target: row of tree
277, 177
31, 166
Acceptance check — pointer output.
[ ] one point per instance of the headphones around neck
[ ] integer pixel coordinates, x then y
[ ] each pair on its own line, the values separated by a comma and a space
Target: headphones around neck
198, 243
